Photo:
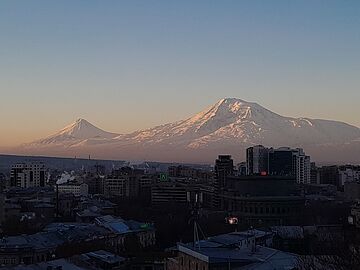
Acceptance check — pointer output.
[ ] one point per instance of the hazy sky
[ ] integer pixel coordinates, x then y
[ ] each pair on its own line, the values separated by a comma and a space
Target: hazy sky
125, 65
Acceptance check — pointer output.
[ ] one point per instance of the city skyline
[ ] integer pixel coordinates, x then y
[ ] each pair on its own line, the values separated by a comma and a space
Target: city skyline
112, 64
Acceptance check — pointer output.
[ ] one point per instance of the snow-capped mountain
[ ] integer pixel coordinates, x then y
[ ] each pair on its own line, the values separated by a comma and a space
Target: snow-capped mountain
77, 132
229, 126
235, 120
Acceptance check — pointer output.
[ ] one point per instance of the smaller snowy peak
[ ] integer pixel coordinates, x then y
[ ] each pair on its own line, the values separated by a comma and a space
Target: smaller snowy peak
83, 129
77, 131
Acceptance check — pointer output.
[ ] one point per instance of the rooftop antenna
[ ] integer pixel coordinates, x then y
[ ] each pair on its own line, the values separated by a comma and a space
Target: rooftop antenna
195, 213
196, 236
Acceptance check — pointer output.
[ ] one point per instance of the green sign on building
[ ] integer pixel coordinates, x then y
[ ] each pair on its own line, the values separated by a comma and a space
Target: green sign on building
163, 177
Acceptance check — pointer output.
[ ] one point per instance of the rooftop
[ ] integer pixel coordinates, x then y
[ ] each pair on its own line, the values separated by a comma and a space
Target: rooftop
227, 249
61, 264
104, 256
54, 235
119, 226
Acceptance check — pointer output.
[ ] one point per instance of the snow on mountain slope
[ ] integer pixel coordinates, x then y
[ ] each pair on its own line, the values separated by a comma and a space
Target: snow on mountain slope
237, 121
75, 133
229, 126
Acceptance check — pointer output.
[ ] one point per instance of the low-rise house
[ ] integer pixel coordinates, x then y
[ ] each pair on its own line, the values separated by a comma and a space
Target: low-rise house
144, 232
59, 240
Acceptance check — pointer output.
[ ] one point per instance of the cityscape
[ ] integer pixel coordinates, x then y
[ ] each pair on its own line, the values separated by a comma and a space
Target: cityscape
179, 135
276, 209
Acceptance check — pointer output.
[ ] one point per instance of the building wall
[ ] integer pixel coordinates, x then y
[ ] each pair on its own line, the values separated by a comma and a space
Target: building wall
2, 208
329, 175
186, 262
168, 193
352, 191
125, 186
258, 211
28, 175
16, 256
257, 160
116, 187
76, 189
290, 162
348, 175
147, 238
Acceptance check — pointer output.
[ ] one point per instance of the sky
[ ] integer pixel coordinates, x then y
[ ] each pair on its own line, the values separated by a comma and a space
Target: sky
128, 65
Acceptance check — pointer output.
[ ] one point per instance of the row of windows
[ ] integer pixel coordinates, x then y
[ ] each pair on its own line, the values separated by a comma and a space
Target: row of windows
265, 210
7, 261
191, 264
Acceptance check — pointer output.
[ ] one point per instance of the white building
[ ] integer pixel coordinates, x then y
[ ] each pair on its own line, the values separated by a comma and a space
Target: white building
28, 174
303, 166
78, 189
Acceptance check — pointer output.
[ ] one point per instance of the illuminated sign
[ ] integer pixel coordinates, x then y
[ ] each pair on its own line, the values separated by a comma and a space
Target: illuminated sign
163, 177
232, 220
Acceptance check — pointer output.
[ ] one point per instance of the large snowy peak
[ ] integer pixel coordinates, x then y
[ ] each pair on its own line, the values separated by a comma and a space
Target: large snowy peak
223, 113
235, 121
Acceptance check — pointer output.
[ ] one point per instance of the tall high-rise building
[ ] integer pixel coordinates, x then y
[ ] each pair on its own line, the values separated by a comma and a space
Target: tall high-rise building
283, 161
257, 160
28, 174
224, 167
290, 162
303, 167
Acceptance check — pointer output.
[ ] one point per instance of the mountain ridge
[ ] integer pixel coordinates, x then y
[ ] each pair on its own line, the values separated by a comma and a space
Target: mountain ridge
227, 125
